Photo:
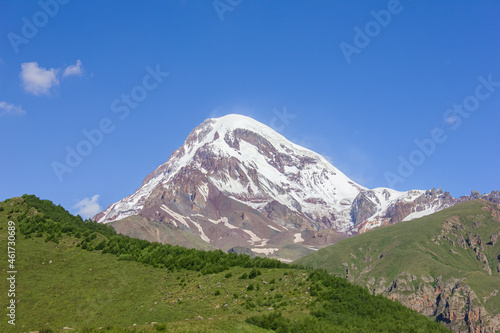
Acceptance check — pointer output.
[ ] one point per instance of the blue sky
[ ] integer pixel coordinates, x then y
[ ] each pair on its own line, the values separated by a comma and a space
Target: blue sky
396, 94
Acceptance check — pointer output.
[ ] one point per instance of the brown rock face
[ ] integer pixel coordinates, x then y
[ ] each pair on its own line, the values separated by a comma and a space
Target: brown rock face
450, 302
402, 209
364, 206
494, 237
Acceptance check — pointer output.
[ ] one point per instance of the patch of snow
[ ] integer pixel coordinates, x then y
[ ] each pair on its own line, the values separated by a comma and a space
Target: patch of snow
285, 260
202, 233
264, 243
175, 215
298, 238
267, 251
371, 224
203, 189
415, 215
253, 237
224, 221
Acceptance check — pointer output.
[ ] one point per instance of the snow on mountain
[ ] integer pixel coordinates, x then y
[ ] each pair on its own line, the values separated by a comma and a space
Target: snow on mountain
234, 163
307, 177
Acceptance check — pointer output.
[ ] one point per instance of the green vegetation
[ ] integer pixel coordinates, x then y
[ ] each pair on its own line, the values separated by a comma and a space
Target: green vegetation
96, 236
82, 275
429, 246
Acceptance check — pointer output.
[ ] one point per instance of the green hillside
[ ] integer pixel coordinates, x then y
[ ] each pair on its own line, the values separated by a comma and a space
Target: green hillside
82, 275
456, 243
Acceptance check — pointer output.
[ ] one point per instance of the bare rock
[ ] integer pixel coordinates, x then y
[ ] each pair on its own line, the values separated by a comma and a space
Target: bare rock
364, 206
371, 281
475, 240
494, 237
450, 302
426, 279
482, 258
366, 270
461, 241
380, 287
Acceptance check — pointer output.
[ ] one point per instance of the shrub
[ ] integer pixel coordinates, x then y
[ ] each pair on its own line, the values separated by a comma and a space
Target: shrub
161, 327
254, 273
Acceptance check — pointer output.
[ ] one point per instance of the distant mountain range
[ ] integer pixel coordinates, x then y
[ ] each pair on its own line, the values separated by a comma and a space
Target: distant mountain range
236, 184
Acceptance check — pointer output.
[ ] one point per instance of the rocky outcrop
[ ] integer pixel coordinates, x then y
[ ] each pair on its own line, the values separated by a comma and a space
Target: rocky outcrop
482, 258
402, 209
474, 240
451, 302
494, 237
461, 241
425, 203
493, 197
364, 205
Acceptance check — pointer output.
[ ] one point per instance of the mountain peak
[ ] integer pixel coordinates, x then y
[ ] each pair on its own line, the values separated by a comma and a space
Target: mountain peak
237, 182
224, 127
234, 120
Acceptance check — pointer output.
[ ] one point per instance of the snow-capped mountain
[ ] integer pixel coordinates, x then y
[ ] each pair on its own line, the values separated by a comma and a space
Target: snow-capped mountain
237, 183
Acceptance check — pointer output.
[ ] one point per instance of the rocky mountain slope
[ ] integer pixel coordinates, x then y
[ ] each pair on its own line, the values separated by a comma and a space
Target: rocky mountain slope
237, 183
446, 265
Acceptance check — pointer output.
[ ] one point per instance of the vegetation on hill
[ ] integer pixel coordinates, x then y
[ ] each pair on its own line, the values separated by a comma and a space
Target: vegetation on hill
97, 236
80, 274
445, 265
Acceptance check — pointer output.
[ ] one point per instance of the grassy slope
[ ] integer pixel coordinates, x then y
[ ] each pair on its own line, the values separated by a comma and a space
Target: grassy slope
408, 247
87, 289
63, 285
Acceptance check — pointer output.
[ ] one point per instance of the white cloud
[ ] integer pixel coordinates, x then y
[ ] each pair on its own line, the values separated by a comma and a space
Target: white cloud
7, 108
88, 208
73, 69
38, 80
